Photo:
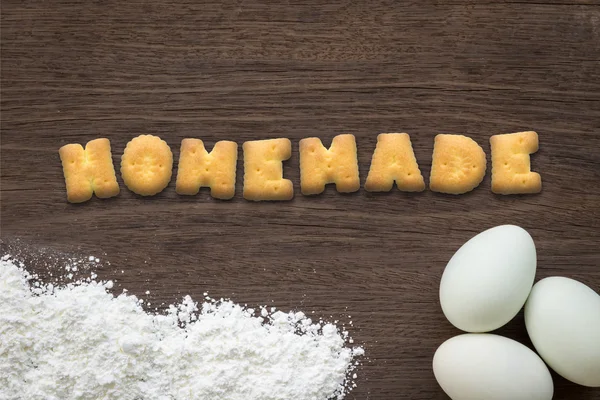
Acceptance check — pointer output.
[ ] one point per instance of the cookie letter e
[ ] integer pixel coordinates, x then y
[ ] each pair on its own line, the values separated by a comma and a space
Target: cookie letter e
263, 170
511, 166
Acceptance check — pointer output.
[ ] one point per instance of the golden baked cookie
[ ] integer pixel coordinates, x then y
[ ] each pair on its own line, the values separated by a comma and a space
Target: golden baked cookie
320, 166
199, 168
458, 165
146, 165
88, 171
263, 170
511, 165
394, 161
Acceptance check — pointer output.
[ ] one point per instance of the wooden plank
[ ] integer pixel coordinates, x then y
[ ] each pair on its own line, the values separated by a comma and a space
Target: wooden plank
74, 71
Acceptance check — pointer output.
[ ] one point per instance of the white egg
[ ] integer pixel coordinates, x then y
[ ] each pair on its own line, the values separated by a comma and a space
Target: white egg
482, 366
562, 317
488, 279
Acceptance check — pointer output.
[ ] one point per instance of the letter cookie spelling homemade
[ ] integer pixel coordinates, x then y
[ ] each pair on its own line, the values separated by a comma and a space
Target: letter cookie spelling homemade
320, 166
263, 170
458, 164
394, 161
88, 171
198, 168
146, 165
511, 165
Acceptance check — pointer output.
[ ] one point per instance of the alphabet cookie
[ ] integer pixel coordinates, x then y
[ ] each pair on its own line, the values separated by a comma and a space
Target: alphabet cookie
394, 161
146, 165
511, 165
88, 171
458, 164
263, 170
320, 166
198, 168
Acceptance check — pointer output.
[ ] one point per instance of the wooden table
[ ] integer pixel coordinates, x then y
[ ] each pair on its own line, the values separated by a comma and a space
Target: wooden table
73, 71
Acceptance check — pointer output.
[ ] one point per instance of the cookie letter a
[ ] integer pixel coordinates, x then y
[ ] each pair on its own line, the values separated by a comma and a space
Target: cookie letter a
88, 171
511, 166
458, 164
198, 168
394, 160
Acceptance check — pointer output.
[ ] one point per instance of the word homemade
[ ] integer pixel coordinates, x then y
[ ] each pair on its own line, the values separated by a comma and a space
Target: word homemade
458, 166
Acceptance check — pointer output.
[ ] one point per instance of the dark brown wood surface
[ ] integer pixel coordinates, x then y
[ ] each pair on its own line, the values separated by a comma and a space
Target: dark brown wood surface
73, 71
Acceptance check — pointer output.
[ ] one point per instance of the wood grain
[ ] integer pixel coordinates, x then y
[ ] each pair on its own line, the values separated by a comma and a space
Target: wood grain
244, 70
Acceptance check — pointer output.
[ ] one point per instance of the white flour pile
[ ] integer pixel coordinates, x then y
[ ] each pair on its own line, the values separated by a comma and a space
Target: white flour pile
80, 342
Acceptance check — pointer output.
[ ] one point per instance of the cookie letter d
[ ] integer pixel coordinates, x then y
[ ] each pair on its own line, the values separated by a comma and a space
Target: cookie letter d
458, 164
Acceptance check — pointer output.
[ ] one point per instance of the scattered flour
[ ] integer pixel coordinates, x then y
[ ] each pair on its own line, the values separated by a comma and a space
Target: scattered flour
78, 341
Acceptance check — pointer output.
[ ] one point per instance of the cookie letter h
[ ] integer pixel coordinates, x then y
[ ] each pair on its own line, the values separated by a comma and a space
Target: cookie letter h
88, 171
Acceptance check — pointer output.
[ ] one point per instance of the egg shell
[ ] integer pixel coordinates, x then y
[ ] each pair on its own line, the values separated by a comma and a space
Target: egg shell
487, 281
483, 366
562, 317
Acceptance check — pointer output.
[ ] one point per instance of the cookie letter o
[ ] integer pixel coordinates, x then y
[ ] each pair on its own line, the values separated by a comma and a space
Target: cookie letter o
146, 165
